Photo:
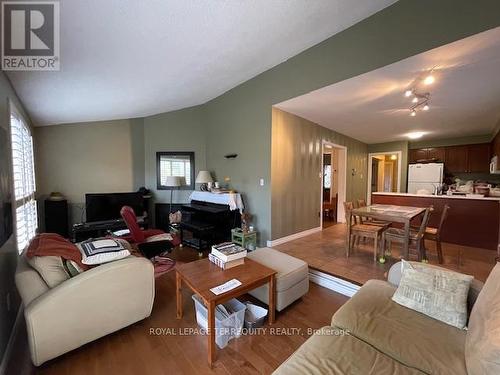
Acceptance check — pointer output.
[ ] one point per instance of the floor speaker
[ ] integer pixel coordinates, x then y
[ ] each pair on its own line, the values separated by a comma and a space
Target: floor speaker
56, 217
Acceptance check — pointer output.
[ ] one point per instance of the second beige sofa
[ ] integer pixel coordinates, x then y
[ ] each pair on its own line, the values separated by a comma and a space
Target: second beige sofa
371, 334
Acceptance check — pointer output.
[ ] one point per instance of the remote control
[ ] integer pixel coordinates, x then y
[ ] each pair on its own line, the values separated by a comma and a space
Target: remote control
226, 287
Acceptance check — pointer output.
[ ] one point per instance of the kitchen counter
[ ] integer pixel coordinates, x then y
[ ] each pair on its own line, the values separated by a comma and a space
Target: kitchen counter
473, 222
439, 196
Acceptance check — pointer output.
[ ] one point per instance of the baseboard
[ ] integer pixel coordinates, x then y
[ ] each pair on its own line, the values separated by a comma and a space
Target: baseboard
333, 283
10, 343
292, 237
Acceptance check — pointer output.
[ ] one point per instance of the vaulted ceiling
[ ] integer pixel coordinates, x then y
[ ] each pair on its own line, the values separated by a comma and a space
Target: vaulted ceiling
129, 58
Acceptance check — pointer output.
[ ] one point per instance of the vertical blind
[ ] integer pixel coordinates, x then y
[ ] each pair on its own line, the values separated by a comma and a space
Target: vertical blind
24, 180
175, 166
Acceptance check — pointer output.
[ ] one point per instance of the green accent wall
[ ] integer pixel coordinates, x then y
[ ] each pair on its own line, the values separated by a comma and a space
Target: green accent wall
296, 159
395, 146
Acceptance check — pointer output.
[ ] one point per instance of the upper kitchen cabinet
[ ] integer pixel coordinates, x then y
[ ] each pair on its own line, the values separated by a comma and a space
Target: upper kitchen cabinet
478, 158
416, 155
468, 158
456, 159
435, 154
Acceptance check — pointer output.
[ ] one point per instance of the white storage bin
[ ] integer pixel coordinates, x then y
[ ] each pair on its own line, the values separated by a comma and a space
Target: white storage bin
226, 328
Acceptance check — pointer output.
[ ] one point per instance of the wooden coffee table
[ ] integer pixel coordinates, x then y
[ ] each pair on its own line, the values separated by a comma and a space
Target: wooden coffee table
202, 275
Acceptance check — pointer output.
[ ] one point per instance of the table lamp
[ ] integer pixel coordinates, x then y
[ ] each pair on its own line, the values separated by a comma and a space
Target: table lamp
203, 178
173, 182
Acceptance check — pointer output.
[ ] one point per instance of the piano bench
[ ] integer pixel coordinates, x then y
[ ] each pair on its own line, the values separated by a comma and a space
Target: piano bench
292, 277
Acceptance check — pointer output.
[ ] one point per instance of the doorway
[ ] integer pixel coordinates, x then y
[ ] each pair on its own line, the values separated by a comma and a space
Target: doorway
333, 183
384, 173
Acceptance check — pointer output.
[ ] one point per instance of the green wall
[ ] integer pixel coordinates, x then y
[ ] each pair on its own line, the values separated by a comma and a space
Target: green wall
182, 130
8, 252
94, 157
395, 146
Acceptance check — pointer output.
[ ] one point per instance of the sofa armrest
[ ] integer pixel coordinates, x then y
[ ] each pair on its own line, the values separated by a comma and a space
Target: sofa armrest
91, 305
394, 278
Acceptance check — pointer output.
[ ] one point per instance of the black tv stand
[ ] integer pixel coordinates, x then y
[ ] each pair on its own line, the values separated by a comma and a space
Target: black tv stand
93, 229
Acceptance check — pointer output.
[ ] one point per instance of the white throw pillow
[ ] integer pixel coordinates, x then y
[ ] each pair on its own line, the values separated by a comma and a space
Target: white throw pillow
435, 292
101, 251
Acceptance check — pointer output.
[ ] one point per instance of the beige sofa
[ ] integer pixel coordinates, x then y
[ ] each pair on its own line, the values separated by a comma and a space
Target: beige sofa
84, 308
371, 334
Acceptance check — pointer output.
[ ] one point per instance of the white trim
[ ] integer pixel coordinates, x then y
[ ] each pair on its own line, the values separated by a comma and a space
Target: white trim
292, 237
342, 184
333, 283
369, 182
10, 343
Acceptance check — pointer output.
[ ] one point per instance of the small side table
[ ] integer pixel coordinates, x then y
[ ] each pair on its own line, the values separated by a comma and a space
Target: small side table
244, 239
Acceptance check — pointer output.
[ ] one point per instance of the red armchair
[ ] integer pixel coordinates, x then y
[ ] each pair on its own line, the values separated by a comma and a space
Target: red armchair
151, 242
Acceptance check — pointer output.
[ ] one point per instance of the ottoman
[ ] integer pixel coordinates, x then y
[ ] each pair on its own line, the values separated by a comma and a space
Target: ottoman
292, 277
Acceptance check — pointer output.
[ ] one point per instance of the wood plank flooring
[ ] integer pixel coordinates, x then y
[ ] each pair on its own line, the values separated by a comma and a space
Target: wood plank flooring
325, 251
133, 350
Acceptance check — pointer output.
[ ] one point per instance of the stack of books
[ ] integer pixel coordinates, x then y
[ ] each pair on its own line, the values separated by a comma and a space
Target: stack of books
227, 255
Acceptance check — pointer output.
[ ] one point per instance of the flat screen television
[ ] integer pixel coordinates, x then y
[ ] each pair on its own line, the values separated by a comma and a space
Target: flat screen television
5, 188
107, 206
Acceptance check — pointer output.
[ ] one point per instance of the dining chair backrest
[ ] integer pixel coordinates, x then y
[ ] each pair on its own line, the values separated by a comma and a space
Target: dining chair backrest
425, 221
361, 203
444, 215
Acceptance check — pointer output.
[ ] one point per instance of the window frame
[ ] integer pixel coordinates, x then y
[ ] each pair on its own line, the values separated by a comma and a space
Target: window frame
189, 154
29, 199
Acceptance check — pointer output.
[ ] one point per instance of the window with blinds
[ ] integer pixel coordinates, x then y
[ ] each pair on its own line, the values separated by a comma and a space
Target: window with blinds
179, 164
24, 180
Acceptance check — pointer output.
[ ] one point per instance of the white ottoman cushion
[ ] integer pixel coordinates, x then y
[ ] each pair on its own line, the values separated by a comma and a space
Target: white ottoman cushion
292, 277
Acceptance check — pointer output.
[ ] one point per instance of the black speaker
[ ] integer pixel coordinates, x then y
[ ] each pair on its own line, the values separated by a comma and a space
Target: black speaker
56, 217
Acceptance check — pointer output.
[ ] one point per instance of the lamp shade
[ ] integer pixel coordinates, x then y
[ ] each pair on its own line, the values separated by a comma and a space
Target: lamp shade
173, 181
204, 177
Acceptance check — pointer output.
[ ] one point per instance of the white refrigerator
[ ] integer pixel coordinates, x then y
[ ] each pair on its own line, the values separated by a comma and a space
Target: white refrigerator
424, 176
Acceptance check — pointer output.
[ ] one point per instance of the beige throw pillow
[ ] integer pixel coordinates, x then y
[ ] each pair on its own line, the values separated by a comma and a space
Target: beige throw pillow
50, 268
437, 293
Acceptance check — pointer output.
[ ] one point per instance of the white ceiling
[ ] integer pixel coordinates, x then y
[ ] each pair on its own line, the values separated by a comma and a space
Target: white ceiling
132, 58
465, 98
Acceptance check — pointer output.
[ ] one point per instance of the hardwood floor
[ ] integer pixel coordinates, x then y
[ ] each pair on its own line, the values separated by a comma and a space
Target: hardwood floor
133, 350
325, 251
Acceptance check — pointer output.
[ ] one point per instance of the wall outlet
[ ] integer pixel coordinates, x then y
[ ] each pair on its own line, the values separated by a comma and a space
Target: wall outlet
261, 182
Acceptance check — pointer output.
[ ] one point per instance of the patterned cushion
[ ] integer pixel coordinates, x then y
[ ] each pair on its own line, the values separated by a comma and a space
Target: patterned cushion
437, 293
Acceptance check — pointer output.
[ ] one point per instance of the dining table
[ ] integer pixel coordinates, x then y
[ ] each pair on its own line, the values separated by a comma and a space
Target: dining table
388, 213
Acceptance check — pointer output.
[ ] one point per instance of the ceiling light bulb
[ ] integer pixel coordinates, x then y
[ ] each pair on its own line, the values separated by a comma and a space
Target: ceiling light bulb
429, 80
414, 100
393, 157
413, 113
426, 107
408, 93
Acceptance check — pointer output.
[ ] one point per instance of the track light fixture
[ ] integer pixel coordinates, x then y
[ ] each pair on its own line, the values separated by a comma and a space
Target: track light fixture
420, 100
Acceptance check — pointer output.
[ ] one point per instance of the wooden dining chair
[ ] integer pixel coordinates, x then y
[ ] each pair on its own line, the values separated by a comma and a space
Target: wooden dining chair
370, 221
360, 230
434, 234
416, 236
